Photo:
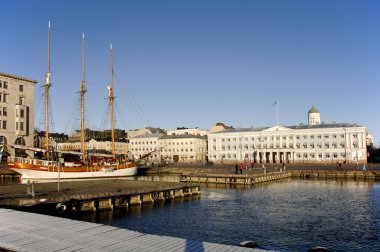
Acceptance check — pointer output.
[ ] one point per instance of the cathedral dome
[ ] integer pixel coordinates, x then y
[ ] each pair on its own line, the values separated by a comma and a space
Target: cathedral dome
313, 110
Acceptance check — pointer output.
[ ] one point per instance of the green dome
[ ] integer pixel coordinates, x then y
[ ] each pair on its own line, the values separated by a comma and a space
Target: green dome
313, 110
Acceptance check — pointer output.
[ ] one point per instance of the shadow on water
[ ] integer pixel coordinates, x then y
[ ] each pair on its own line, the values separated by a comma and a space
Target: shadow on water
194, 246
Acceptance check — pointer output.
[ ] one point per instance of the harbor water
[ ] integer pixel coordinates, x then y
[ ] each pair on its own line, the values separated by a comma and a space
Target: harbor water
288, 215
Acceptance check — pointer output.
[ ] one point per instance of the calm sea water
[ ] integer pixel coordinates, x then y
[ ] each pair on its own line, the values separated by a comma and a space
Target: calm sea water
291, 215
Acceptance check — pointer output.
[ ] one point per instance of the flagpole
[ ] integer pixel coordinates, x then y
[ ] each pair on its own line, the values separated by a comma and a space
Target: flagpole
277, 111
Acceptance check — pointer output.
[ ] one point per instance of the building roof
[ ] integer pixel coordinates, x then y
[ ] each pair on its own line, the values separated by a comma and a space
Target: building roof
294, 127
313, 110
148, 135
183, 136
17, 77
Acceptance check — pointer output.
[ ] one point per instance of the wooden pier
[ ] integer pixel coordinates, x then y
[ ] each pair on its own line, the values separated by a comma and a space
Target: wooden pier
249, 179
24, 231
94, 195
329, 174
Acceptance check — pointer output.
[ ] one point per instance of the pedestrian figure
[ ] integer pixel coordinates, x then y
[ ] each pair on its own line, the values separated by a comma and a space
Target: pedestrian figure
236, 168
246, 166
252, 164
337, 166
241, 166
364, 168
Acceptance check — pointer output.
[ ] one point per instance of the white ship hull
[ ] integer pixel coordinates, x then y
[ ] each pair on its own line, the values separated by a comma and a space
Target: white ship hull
49, 175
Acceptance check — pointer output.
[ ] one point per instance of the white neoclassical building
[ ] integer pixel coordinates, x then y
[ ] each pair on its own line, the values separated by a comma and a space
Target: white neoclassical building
142, 145
183, 148
168, 148
313, 143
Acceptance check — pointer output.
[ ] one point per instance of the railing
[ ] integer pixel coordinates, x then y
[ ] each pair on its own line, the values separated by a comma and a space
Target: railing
32, 161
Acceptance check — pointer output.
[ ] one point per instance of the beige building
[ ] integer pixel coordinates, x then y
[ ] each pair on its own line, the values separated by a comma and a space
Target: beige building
16, 110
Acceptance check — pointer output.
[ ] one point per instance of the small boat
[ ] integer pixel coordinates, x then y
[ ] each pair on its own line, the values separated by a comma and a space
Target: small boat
31, 168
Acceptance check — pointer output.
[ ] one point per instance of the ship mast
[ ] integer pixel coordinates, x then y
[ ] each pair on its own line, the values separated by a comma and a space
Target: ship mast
47, 86
112, 97
82, 92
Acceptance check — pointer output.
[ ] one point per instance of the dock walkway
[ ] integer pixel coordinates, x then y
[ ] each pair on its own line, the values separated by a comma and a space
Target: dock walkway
248, 179
24, 231
94, 195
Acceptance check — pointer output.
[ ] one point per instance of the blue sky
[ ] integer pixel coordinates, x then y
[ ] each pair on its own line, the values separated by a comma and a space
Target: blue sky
196, 63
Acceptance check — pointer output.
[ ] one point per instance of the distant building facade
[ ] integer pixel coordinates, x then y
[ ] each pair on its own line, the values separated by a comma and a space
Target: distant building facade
16, 110
313, 143
185, 148
187, 131
143, 144
145, 131
95, 147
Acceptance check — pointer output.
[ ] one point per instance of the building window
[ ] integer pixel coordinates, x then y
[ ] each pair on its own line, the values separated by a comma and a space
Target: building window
16, 125
5, 97
1, 83
21, 88
5, 85
5, 111
22, 126
4, 124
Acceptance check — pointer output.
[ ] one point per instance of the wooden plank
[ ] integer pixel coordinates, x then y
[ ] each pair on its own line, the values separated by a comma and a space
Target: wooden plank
22, 231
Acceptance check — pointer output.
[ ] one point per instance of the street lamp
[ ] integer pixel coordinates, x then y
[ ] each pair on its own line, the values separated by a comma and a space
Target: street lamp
345, 145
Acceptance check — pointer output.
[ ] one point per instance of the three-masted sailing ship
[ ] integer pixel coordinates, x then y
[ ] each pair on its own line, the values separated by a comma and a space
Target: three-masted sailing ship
32, 168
